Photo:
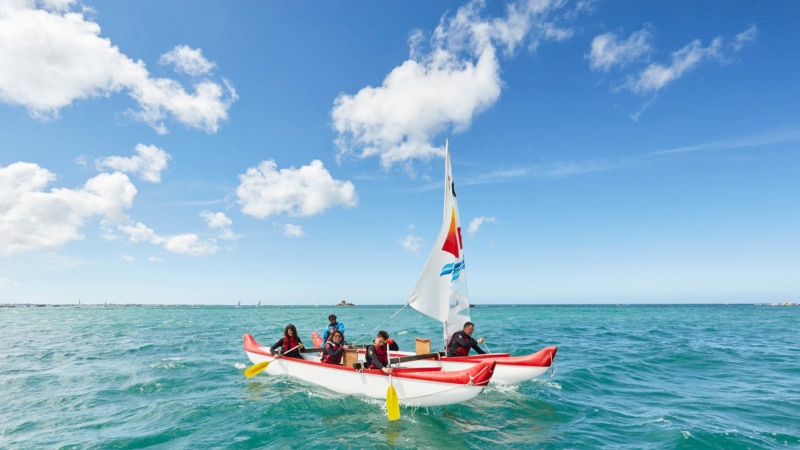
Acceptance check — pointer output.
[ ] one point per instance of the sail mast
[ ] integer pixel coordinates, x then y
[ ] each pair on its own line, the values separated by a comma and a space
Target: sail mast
441, 290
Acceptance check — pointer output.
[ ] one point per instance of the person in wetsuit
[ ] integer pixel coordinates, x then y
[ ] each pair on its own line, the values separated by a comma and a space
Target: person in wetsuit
461, 342
378, 353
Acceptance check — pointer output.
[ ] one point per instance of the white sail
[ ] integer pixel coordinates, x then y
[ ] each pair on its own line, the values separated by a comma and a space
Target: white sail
441, 291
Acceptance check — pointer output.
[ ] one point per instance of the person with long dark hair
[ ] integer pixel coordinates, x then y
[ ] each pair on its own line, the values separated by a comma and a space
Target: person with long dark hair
334, 349
289, 345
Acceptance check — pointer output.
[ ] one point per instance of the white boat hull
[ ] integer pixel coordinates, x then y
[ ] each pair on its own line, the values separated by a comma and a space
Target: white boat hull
414, 386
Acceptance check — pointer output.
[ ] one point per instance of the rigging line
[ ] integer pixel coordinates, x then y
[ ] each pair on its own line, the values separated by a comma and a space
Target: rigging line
372, 332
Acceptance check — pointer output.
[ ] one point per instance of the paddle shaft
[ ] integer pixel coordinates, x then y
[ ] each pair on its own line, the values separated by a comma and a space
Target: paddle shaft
319, 349
436, 355
289, 351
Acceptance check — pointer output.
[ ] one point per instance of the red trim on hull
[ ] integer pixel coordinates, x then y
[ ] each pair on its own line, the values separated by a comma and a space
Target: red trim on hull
478, 375
542, 358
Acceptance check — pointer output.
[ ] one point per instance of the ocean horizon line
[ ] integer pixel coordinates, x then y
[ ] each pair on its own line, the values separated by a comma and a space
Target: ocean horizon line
375, 305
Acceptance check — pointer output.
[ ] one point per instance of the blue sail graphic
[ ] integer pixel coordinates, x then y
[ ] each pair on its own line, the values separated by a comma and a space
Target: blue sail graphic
454, 268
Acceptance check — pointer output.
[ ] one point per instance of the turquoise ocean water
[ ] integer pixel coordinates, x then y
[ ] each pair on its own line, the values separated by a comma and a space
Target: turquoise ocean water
641, 377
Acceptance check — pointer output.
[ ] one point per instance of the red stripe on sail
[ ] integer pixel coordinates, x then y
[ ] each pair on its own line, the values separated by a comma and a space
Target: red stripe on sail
451, 243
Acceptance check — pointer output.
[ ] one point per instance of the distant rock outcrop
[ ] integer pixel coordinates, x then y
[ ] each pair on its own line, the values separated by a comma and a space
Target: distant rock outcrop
344, 303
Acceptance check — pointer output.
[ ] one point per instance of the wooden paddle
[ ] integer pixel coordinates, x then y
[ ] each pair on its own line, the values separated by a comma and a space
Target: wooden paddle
255, 369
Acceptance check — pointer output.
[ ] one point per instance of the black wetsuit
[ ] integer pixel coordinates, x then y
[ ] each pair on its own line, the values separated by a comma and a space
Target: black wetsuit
460, 344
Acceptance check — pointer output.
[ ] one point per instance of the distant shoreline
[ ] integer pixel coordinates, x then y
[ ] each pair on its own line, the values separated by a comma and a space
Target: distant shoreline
520, 305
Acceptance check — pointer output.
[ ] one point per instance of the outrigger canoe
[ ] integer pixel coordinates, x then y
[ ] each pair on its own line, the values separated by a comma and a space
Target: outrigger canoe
415, 386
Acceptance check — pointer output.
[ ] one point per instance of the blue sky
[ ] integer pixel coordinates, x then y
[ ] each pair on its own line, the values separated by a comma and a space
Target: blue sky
292, 152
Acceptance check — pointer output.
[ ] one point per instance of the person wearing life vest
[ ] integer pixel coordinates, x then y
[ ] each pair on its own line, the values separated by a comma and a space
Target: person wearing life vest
289, 345
378, 354
334, 349
461, 342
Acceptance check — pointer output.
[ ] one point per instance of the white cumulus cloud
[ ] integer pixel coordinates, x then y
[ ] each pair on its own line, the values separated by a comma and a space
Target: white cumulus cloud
33, 217
748, 35
656, 76
182, 244
475, 224
608, 51
412, 244
443, 88
219, 221
187, 60
148, 164
46, 53
264, 190
292, 230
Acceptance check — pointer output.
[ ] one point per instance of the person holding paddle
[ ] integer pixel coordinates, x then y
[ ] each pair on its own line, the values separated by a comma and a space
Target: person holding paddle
289, 345
334, 349
378, 353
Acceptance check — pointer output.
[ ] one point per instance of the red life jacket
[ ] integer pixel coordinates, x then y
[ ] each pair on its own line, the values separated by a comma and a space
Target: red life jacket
289, 343
381, 355
330, 359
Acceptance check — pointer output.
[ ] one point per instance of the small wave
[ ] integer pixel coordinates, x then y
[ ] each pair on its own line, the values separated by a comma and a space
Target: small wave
503, 388
552, 384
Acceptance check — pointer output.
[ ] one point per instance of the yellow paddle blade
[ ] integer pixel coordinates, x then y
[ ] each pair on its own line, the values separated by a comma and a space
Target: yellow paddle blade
255, 369
392, 404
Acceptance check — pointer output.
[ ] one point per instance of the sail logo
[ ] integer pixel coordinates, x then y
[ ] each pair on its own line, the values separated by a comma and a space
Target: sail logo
453, 245
453, 269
